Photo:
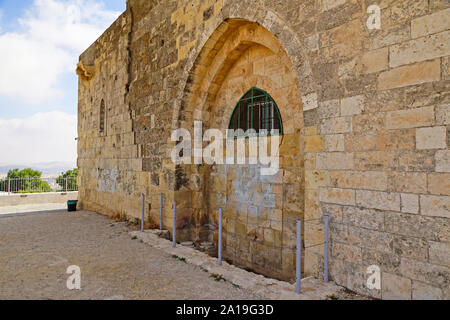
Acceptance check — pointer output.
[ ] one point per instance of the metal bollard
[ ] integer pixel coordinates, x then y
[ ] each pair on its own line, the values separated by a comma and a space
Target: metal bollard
299, 256
143, 213
325, 254
160, 211
174, 223
220, 236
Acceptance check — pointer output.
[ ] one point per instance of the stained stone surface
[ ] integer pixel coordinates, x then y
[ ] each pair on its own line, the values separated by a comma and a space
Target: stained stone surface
365, 132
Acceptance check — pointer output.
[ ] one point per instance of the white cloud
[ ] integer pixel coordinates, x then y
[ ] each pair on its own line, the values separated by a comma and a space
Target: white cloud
53, 34
43, 137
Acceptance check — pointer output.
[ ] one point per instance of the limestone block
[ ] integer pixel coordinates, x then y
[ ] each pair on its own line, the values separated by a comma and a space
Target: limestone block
410, 247
346, 252
309, 101
430, 228
440, 253
363, 218
442, 159
329, 109
371, 180
426, 48
337, 196
312, 42
375, 160
315, 179
426, 272
352, 105
330, 4
334, 142
436, 206
375, 60
423, 291
411, 118
430, 24
336, 125
334, 211
388, 262
387, 140
421, 72
410, 203
439, 183
314, 144
431, 138
416, 161
334, 160
413, 182
378, 200
389, 36
443, 114
395, 287
369, 122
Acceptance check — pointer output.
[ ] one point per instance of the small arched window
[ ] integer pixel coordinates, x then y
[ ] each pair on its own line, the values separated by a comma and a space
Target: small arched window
257, 110
102, 117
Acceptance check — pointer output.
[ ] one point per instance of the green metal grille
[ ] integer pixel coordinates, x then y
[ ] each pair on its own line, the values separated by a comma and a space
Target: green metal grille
256, 110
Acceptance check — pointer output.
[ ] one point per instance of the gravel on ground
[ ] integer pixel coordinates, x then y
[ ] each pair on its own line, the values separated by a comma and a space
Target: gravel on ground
36, 250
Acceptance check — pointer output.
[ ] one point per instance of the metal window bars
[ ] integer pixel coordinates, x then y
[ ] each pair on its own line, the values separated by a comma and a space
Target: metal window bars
256, 110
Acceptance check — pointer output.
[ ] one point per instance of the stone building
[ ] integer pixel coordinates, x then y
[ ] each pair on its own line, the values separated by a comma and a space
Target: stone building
365, 132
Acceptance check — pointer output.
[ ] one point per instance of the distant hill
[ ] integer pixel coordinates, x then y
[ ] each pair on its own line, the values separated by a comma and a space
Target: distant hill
47, 168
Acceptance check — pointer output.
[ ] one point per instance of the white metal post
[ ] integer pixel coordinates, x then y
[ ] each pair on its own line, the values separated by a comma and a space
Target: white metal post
220, 236
160, 212
143, 213
299, 256
174, 223
325, 256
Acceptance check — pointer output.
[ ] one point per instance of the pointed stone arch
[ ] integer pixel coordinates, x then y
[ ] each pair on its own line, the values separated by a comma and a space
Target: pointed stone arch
206, 70
235, 14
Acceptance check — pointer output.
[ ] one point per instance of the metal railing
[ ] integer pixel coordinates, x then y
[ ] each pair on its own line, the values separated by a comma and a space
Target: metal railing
37, 185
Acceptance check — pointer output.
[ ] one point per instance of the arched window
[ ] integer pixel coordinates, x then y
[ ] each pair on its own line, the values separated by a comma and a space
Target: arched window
257, 110
102, 117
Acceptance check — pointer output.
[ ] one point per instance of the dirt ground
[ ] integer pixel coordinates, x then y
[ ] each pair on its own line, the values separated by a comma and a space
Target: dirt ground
36, 250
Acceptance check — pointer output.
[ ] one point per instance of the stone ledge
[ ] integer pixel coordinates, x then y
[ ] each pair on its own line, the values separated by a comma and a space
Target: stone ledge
272, 289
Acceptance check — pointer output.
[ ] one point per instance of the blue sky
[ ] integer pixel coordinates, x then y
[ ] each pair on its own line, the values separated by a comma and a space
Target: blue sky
40, 41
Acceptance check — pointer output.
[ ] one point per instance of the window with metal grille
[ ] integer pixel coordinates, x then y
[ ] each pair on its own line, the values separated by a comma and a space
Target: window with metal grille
257, 110
102, 117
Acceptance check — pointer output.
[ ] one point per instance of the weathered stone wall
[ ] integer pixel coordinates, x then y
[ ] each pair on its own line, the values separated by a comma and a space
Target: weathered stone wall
370, 130
255, 206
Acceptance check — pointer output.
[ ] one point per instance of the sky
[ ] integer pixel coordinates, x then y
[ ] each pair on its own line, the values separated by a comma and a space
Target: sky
40, 42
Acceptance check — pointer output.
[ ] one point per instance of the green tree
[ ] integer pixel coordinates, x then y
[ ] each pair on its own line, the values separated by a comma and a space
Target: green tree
24, 181
68, 180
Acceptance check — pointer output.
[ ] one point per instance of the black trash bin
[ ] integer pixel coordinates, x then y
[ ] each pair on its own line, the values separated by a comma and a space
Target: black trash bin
72, 205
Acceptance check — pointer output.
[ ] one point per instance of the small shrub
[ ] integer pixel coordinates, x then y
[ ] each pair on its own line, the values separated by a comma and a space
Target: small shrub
119, 217
179, 258
217, 277
151, 223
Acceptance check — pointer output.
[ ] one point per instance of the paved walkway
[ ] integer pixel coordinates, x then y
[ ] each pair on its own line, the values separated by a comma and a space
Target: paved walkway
119, 263
267, 288
36, 250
